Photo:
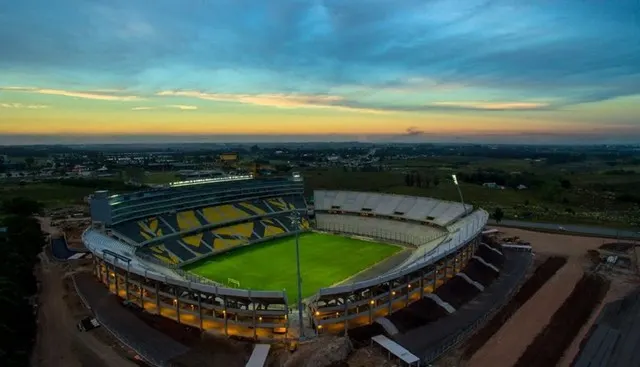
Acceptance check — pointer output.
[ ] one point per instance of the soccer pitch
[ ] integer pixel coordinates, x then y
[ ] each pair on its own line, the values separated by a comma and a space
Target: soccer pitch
325, 259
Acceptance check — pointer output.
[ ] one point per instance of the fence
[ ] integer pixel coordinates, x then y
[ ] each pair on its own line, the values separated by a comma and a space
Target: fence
463, 335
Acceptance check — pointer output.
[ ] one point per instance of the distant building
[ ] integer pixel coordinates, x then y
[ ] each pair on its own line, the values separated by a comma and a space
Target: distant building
522, 187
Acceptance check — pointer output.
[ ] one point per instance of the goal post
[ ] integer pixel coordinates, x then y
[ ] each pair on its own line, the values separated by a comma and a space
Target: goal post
233, 283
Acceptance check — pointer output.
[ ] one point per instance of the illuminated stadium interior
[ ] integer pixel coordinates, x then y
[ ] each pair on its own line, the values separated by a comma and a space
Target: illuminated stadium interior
218, 254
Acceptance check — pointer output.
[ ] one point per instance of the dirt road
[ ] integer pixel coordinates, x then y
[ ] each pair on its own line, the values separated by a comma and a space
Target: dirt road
617, 291
506, 346
58, 342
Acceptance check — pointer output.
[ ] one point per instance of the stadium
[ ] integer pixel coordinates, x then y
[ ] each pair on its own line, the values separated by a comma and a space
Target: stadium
219, 254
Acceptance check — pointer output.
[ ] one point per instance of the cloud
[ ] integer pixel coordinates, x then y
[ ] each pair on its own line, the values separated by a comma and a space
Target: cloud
413, 131
275, 100
277, 52
183, 107
174, 106
101, 95
25, 106
491, 106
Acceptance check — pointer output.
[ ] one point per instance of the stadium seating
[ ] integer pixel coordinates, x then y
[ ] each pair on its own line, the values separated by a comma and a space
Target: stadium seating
404, 232
176, 250
158, 226
428, 210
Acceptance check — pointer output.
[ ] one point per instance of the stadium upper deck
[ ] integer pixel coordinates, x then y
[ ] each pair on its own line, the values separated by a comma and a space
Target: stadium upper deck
114, 209
419, 209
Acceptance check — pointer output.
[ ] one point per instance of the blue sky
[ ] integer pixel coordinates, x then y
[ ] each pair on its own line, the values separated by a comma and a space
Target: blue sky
357, 68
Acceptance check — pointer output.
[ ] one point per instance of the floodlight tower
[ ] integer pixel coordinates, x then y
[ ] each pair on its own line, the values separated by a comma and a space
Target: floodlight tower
295, 222
455, 182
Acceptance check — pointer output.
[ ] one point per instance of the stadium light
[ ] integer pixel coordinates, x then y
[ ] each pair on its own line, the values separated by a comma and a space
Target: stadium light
295, 222
455, 182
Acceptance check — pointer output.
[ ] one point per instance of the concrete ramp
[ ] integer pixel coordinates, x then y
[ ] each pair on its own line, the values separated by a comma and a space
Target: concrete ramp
471, 281
435, 298
259, 355
388, 326
485, 263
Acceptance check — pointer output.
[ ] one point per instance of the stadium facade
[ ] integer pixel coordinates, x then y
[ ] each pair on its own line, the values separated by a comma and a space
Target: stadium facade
142, 240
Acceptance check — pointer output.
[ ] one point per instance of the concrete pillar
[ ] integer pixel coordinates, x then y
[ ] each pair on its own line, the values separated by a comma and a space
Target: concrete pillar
200, 311
158, 309
224, 314
390, 297
175, 294
421, 284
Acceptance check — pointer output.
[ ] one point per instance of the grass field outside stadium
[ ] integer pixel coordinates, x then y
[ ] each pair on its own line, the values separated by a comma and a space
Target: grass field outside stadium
325, 259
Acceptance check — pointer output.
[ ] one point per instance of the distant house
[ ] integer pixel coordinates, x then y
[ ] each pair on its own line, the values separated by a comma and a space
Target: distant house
522, 187
492, 185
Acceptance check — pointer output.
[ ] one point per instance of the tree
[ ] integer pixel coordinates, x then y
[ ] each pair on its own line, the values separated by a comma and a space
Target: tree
418, 180
436, 181
498, 214
29, 161
408, 179
566, 184
21, 206
20, 247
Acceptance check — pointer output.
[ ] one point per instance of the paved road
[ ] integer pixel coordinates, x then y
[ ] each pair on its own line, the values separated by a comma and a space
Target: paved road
573, 228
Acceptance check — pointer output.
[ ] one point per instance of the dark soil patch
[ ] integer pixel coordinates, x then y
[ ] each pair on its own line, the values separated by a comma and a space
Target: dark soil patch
215, 351
457, 291
417, 314
623, 247
490, 256
480, 273
540, 276
184, 334
492, 241
360, 336
548, 346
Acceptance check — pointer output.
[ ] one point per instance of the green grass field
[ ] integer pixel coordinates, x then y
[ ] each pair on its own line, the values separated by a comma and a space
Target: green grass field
325, 260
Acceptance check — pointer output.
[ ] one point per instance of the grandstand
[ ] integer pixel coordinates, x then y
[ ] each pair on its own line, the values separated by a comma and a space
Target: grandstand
146, 244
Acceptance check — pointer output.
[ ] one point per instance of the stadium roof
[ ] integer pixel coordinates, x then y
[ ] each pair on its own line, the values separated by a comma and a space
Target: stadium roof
614, 338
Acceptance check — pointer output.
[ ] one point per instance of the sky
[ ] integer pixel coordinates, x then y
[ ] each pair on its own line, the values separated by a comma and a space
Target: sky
278, 70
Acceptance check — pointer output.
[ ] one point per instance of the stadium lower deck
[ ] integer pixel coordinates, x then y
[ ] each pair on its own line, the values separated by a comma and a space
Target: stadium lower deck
239, 316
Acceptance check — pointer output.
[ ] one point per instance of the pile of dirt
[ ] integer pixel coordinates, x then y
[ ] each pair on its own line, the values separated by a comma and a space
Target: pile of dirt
369, 357
491, 241
490, 256
215, 351
549, 346
324, 352
181, 333
416, 314
480, 272
457, 291
622, 247
361, 335
541, 275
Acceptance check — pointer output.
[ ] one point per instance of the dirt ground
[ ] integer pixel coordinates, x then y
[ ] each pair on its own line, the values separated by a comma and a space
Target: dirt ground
618, 290
506, 346
58, 341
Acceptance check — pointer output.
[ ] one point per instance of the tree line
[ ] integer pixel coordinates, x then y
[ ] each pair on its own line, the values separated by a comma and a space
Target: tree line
20, 243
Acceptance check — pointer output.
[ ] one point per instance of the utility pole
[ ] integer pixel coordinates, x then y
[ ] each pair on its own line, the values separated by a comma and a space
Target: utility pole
295, 222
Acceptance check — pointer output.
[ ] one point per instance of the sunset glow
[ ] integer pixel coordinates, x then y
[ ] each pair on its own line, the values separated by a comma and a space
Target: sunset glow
356, 69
